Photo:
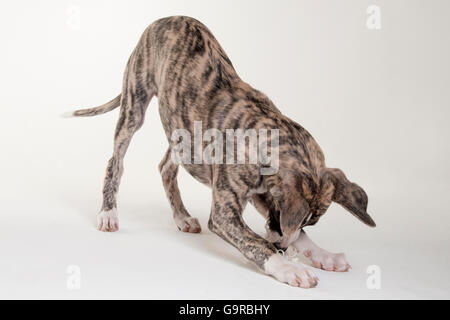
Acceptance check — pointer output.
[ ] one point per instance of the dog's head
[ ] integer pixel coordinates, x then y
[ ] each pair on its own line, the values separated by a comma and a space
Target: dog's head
297, 200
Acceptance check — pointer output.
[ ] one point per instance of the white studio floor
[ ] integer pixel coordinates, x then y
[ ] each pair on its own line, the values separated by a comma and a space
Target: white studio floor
51, 192
150, 259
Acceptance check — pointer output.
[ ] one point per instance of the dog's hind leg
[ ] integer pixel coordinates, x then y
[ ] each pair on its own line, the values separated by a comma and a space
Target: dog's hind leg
134, 101
183, 219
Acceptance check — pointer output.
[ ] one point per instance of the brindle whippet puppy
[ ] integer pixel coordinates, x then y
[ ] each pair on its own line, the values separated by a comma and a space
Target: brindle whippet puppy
179, 61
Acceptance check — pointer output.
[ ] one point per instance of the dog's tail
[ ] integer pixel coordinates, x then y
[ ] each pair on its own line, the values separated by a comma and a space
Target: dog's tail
111, 105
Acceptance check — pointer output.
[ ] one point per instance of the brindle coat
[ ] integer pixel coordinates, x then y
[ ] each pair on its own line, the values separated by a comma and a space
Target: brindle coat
179, 61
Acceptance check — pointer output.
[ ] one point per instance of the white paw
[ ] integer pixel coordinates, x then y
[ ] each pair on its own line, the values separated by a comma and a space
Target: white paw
188, 224
295, 274
108, 221
328, 261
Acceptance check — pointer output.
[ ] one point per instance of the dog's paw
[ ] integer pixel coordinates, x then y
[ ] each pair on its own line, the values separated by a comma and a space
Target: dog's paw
108, 221
295, 274
188, 224
328, 261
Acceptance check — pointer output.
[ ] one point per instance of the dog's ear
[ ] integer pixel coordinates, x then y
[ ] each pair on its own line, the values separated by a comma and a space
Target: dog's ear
349, 195
290, 203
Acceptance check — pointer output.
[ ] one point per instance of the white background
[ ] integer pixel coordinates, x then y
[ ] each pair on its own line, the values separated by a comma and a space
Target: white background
377, 101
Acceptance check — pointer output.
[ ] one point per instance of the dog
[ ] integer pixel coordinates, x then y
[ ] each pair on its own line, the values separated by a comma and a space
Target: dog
179, 61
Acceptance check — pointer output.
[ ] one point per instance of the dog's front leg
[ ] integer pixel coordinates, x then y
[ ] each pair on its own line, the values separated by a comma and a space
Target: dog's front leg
227, 222
321, 258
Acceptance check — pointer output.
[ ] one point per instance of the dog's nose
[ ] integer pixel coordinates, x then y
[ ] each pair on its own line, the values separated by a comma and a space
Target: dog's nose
284, 244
